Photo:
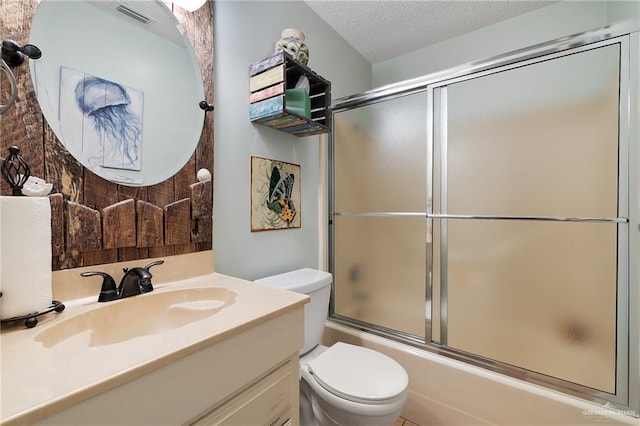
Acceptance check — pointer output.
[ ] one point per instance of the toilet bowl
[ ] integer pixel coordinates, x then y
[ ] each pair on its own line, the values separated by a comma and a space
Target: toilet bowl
351, 385
342, 384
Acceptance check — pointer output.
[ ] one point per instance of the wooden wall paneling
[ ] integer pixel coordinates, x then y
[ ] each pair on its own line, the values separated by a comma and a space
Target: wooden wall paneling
185, 177
184, 248
128, 248
205, 45
207, 245
119, 225
162, 193
201, 230
84, 231
61, 168
201, 211
162, 251
198, 27
100, 257
201, 195
98, 193
202, 42
69, 260
150, 225
57, 224
119, 230
132, 253
177, 222
134, 192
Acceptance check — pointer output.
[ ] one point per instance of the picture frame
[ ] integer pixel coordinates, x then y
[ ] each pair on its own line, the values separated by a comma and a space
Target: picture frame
275, 195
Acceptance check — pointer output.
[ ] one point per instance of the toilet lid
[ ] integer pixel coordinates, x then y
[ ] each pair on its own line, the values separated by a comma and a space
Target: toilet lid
359, 374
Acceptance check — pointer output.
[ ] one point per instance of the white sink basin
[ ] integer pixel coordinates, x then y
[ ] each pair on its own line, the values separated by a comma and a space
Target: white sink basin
143, 315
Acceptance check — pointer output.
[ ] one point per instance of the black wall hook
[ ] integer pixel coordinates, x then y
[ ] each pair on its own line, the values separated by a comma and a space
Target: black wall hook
205, 106
13, 55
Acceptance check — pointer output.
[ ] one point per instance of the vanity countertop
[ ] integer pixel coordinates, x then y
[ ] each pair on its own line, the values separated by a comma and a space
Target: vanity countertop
38, 381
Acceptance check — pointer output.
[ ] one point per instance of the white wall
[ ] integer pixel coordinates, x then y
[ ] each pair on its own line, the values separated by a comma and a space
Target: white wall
245, 32
541, 25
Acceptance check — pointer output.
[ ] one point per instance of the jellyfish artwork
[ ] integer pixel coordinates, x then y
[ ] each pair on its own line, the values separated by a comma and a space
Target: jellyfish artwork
107, 105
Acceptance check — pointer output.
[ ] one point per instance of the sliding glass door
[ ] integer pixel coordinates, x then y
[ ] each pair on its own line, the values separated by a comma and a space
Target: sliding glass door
527, 218
379, 160
484, 215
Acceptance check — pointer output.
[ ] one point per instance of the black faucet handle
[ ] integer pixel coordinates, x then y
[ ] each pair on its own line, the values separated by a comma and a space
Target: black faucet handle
145, 277
157, 262
108, 292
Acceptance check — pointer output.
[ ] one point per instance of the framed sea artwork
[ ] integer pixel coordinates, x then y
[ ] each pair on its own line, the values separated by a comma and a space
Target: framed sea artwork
101, 120
275, 195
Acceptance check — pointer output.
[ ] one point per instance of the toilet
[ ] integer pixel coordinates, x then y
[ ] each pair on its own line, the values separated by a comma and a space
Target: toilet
343, 384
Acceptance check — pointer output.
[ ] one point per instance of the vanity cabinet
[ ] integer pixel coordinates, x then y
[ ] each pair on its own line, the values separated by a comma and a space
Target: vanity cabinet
270, 79
250, 378
266, 401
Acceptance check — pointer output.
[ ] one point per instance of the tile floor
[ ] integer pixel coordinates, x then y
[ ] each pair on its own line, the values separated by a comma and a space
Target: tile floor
403, 422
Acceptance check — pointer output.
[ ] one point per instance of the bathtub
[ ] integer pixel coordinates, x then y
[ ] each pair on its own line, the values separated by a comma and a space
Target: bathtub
444, 391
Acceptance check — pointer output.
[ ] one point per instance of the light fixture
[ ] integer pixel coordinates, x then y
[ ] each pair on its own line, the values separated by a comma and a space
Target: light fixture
190, 5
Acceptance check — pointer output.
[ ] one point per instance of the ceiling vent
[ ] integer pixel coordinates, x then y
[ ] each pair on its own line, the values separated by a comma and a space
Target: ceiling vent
133, 14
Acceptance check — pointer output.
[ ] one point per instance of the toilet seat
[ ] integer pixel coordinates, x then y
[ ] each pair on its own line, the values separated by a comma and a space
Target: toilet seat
359, 374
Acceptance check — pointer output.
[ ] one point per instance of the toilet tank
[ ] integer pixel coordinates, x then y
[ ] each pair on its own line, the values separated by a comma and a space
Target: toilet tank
317, 285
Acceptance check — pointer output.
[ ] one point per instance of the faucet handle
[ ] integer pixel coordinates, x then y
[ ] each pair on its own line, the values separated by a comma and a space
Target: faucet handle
145, 284
108, 292
157, 262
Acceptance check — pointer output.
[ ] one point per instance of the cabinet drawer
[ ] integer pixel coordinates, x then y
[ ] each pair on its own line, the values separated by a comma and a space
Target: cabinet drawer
265, 402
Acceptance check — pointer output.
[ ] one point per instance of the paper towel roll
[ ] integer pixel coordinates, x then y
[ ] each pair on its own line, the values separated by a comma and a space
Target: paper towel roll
25, 255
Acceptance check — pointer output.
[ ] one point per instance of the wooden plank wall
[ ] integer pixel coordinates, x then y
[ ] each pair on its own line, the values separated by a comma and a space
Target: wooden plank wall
95, 221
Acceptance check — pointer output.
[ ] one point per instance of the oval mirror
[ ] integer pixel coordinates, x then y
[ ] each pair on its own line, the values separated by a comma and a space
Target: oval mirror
119, 84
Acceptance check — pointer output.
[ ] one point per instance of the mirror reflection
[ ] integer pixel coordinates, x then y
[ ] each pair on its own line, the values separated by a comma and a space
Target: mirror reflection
119, 85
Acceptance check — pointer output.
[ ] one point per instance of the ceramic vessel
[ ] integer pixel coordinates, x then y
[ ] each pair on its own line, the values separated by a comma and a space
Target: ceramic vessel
292, 41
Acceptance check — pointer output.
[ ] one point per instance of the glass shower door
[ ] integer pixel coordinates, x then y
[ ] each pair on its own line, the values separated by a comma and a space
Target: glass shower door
486, 213
528, 228
379, 250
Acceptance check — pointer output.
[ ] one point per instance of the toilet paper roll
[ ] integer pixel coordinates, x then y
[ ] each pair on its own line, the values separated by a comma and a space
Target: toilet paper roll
25, 255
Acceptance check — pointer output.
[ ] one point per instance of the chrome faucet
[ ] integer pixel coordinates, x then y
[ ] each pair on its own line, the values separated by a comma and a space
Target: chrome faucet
135, 281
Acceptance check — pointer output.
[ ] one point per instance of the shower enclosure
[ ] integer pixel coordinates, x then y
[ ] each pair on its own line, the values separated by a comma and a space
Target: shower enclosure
484, 213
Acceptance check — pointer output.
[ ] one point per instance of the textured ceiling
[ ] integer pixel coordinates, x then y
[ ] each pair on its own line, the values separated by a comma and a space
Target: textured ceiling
384, 29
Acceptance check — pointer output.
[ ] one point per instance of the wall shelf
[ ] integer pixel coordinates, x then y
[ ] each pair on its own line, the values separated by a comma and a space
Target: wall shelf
269, 80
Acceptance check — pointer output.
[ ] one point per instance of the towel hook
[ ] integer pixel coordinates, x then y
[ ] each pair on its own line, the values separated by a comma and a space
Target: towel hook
205, 106
12, 56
